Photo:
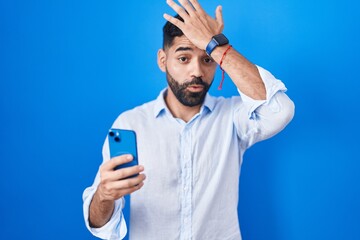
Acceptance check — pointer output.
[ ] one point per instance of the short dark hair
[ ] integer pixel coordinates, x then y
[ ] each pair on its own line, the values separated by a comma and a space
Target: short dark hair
170, 31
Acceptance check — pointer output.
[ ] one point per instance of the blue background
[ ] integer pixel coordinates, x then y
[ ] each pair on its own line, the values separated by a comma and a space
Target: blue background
68, 68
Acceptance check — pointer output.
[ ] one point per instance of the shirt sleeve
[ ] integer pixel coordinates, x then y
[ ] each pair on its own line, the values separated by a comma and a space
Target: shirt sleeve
116, 228
256, 120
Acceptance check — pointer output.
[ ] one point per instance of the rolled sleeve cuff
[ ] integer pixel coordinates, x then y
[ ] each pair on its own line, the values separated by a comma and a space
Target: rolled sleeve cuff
115, 228
272, 86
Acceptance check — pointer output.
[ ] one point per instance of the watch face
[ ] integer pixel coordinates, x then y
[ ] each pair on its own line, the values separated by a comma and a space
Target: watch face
221, 39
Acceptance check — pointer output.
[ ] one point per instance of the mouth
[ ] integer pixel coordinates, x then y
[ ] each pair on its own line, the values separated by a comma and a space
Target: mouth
195, 88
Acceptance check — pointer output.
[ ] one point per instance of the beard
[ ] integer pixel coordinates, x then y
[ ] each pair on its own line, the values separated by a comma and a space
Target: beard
184, 96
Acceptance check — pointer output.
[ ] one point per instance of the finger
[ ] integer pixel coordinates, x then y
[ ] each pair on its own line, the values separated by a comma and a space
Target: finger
132, 189
175, 21
219, 17
127, 183
188, 7
127, 172
116, 161
197, 7
179, 10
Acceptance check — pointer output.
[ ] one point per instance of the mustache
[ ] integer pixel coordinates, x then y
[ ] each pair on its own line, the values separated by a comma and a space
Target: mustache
194, 81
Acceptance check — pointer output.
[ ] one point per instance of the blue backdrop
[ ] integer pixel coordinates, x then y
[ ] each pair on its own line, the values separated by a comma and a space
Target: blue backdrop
68, 68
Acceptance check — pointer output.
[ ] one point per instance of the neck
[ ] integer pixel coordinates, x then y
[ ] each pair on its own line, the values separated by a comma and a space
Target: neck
178, 109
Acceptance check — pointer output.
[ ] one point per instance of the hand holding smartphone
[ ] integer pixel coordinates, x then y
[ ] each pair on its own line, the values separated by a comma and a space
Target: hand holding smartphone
123, 142
127, 176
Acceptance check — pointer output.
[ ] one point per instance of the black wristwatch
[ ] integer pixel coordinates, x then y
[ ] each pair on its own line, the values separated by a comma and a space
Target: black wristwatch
217, 40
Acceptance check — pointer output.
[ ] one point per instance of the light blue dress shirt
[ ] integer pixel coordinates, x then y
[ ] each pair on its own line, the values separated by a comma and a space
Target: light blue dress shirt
193, 168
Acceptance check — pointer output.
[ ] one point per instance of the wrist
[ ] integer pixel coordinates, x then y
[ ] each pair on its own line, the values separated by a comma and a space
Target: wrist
100, 210
218, 53
216, 41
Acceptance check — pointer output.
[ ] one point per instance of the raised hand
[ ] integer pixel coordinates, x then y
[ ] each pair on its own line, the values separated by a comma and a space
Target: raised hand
198, 26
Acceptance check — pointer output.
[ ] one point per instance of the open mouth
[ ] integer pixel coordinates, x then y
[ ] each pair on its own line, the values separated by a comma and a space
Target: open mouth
195, 88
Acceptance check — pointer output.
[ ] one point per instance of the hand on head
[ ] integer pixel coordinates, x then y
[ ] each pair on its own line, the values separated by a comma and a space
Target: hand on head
197, 26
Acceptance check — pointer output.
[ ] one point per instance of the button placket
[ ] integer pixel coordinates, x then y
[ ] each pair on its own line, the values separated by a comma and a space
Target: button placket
186, 203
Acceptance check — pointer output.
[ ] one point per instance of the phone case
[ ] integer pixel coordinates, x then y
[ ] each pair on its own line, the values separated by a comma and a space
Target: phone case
123, 142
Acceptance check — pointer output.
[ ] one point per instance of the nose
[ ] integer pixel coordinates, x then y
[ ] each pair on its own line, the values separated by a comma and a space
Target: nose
197, 69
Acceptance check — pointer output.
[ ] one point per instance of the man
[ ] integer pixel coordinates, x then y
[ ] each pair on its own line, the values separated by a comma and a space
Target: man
190, 143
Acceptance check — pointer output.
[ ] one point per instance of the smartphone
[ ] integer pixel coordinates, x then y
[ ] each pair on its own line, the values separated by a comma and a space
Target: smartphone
123, 142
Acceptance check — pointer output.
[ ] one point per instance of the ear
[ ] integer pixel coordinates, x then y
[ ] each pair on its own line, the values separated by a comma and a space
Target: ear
161, 60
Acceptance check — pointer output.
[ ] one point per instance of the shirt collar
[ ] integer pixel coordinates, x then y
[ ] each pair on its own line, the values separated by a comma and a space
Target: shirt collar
160, 105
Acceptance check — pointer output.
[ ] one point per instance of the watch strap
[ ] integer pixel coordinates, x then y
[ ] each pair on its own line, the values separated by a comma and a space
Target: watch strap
211, 46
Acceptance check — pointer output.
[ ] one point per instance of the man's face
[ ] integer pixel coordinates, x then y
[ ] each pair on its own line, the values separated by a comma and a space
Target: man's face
189, 72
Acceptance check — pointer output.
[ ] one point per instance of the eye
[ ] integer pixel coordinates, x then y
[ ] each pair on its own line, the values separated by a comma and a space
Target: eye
208, 60
183, 59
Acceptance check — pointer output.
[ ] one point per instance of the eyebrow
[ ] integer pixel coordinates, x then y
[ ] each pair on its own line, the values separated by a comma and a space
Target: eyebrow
184, 49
